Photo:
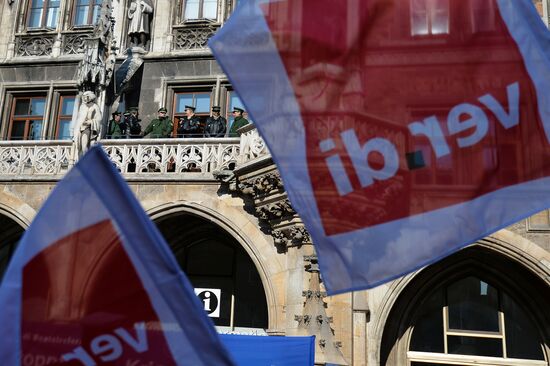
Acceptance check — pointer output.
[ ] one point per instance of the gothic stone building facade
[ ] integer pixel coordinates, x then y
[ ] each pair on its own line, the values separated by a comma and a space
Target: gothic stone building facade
222, 207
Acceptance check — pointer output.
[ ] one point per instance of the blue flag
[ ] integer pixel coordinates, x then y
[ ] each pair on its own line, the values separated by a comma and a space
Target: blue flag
403, 130
94, 282
270, 351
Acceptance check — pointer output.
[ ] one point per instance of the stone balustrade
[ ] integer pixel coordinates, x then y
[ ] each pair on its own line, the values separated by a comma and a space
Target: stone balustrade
136, 159
252, 145
23, 160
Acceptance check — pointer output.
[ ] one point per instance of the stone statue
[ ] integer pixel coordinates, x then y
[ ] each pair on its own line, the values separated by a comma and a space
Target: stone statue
88, 122
138, 30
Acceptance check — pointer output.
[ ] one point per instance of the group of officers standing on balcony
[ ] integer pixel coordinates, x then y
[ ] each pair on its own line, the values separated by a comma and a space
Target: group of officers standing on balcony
163, 127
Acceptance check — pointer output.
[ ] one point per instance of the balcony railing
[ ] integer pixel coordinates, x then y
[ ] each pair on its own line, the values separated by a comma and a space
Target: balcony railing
20, 160
172, 158
136, 159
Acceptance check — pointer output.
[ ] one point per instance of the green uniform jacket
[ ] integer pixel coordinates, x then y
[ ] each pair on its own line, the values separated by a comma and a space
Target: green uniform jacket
159, 128
116, 130
237, 123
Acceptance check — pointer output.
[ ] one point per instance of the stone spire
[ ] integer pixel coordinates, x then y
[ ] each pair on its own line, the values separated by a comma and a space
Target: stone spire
315, 320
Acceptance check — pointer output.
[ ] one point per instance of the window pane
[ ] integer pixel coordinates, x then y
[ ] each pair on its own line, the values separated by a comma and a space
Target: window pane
35, 17
210, 9
191, 9
428, 330
182, 100
37, 106
522, 338
81, 15
419, 17
202, 102
35, 130
473, 305
51, 18
37, 3
95, 14
67, 106
475, 346
17, 130
234, 101
64, 129
22, 107
440, 17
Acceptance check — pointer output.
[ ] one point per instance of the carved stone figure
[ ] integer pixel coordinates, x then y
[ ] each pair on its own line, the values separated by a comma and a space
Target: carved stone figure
88, 123
138, 29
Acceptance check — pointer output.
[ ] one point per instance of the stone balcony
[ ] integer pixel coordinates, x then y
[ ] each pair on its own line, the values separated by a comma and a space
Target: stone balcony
169, 159
242, 165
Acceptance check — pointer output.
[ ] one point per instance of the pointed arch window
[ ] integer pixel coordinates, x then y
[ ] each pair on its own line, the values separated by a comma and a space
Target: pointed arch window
473, 321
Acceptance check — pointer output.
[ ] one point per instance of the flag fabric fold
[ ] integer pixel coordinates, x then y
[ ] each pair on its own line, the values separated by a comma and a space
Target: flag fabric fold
93, 281
403, 130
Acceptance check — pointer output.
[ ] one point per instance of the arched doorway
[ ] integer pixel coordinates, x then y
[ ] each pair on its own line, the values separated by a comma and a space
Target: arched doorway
10, 233
477, 307
224, 276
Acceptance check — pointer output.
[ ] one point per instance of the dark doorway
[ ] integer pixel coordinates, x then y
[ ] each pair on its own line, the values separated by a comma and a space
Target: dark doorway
10, 233
229, 283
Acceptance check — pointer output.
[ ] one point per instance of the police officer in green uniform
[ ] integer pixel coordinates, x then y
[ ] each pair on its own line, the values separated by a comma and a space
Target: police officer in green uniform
238, 122
117, 128
160, 127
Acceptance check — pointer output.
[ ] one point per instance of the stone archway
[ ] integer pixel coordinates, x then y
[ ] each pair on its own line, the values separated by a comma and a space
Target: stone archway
504, 242
217, 256
12, 227
499, 267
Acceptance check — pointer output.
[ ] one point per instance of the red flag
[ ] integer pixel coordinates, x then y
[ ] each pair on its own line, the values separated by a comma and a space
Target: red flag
403, 130
93, 282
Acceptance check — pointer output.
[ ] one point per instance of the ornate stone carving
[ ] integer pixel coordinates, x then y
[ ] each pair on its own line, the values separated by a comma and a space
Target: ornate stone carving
252, 145
291, 236
310, 294
276, 210
196, 37
29, 158
97, 67
74, 43
35, 45
169, 157
263, 185
299, 235
88, 123
280, 240
128, 69
139, 15
49, 159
